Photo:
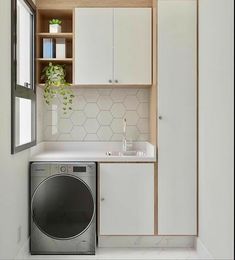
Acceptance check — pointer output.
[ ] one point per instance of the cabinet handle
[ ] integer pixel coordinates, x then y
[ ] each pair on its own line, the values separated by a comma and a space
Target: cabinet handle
160, 117
116, 81
102, 199
110, 81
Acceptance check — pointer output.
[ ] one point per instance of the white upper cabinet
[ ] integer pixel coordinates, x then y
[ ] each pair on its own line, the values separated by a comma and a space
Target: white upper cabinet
93, 45
126, 199
113, 46
132, 45
177, 126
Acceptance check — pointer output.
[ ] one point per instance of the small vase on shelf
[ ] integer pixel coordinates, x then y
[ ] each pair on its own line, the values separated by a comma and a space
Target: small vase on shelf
55, 26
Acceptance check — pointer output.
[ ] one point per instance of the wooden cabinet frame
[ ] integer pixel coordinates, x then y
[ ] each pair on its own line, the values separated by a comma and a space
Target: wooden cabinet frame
70, 5
42, 31
66, 7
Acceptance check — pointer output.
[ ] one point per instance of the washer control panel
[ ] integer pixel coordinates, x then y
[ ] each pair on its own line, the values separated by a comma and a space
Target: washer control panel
76, 168
48, 169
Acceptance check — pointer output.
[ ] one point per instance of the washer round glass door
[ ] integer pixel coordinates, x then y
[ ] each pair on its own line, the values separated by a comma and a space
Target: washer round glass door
62, 207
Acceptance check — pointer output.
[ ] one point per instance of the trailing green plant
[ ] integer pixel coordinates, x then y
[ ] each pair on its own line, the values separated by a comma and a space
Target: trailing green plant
55, 21
55, 84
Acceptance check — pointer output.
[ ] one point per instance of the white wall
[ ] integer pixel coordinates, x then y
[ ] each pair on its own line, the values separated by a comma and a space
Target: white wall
14, 168
216, 127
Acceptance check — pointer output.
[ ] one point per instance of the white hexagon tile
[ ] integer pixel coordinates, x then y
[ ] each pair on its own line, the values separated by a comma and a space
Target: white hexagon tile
118, 110
97, 115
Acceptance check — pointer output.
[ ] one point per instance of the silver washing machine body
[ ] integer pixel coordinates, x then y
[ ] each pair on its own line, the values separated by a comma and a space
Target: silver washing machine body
63, 208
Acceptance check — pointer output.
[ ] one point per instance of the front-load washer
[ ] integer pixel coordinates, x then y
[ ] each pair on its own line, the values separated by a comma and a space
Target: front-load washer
63, 208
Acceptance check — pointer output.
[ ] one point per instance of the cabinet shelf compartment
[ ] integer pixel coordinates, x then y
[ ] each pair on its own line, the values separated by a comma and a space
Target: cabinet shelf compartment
41, 64
44, 16
68, 48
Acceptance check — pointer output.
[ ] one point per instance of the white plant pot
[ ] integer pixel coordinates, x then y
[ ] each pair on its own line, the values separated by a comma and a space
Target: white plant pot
55, 28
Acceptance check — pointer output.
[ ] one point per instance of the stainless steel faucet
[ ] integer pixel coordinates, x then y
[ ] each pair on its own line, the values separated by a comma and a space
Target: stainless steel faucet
124, 140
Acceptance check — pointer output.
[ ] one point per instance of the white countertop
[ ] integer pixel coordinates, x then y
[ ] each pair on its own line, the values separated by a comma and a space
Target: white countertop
90, 151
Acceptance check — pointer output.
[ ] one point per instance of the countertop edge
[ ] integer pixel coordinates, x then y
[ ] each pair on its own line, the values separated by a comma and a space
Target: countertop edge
67, 152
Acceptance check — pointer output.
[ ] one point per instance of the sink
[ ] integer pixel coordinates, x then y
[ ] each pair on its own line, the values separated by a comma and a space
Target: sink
127, 153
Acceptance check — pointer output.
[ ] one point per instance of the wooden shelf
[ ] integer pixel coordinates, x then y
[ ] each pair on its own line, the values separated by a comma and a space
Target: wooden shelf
55, 59
43, 85
55, 35
106, 86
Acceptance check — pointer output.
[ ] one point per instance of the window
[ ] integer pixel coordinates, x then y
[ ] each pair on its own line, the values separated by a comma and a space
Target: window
23, 76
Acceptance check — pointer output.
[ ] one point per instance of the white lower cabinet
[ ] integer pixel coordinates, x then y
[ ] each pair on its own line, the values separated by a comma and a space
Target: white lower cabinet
126, 205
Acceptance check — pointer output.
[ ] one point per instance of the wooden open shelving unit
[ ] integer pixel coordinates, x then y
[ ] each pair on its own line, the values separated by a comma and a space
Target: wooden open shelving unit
43, 18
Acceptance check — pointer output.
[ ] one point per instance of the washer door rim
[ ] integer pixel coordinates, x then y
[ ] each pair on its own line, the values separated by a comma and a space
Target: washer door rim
32, 210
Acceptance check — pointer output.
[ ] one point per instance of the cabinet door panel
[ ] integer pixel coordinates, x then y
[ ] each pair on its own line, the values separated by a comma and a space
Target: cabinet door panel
126, 199
177, 128
93, 45
132, 45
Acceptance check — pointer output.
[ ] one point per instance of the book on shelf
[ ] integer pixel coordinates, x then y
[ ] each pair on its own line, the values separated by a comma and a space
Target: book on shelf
60, 48
48, 48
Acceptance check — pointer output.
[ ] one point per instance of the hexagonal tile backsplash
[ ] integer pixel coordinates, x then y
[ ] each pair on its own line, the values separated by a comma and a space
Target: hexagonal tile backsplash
98, 115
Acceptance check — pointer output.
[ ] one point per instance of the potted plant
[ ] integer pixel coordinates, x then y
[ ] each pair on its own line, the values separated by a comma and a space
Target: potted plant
55, 84
55, 26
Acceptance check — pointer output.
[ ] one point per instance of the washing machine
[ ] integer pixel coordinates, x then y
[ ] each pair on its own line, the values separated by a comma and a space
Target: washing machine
63, 208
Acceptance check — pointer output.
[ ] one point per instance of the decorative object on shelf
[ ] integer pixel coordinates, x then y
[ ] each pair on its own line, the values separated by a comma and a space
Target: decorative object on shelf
55, 26
55, 84
60, 48
48, 48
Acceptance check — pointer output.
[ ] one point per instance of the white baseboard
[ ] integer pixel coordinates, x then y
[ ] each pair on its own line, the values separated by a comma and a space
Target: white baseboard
202, 251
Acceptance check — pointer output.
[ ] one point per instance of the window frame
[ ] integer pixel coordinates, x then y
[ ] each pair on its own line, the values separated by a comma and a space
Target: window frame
18, 90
